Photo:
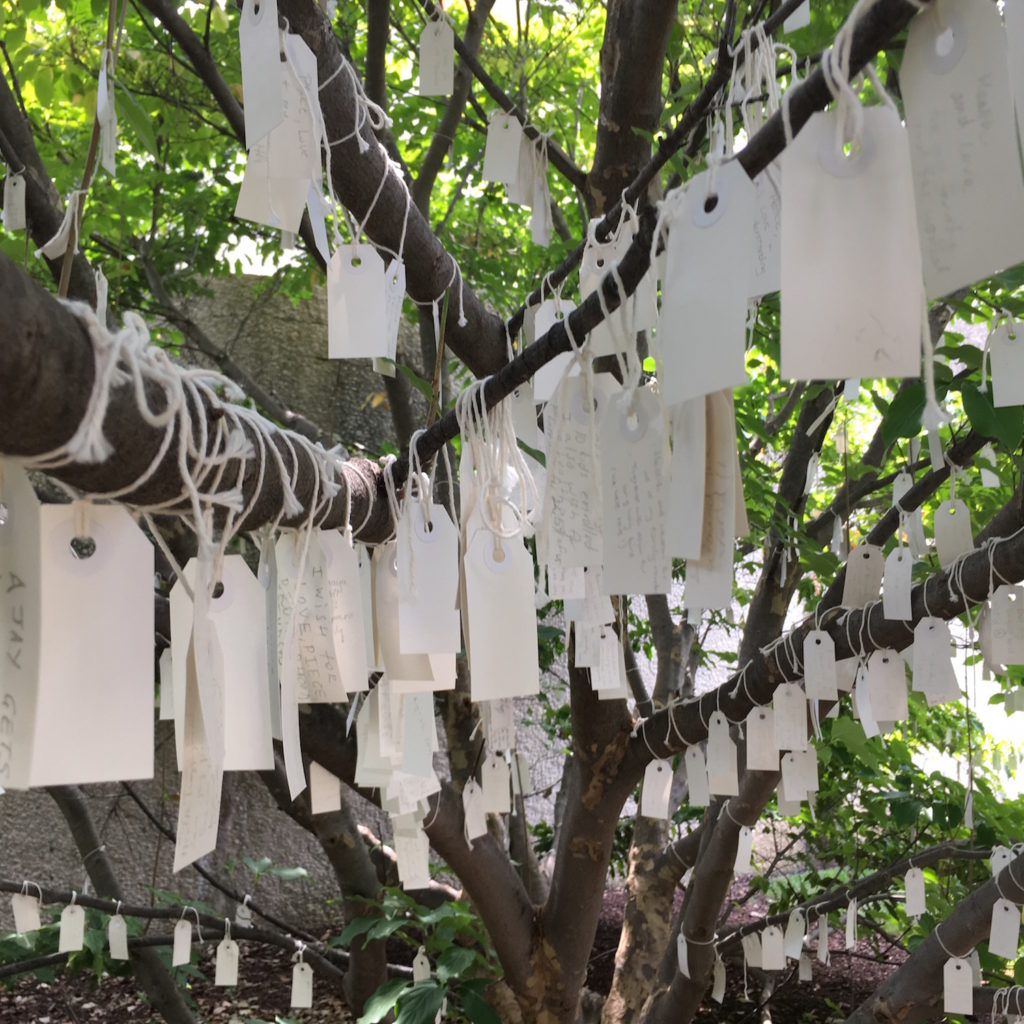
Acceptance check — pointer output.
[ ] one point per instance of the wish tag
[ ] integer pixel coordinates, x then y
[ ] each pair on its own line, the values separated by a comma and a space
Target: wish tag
324, 790
1004, 935
1006, 625
820, 666
834, 207
14, 202
752, 950
495, 782
262, 90
999, 858
437, 59
799, 19
302, 986
766, 248
953, 536
703, 326
499, 724
682, 954
684, 523
887, 685
822, 951
501, 154
405, 668
226, 970
474, 811
394, 293
805, 970
773, 956
762, 753
117, 938
347, 611
718, 985
546, 381
800, 773
520, 191
697, 778
356, 324
520, 772
181, 952
796, 929
913, 884
896, 584
723, 777
790, 717
654, 799
933, 672
25, 908
864, 570
851, 924
420, 967
72, 929
987, 465
957, 98
633, 464
615, 332
744, 850
428, 580
1006, 350
957, 986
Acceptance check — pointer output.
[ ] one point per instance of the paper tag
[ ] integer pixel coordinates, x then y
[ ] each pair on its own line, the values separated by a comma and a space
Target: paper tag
72, 929
896, 584
766, 248
1006, 350
957, 986
790, 717
302, 986
806, 971
437, 59
887, 683
762, 753
999, 858
773, 957
834, 208
851, 924
952, 532
933, 672
799, 773
25, 908
494, 778
697, 778
520, 773
956, 94
474, 811
117, 938
1006, 625
520, 191
799, 19
501, 155
356, 322
499, 724
616, 332
420, 967
404, 668
324, 790
913, 883
684, 522
752, 950
633, 466
701, 337
14, 202
864, 570
796, 929
550, 312
862, 704
181, 952
718, 986
226, 972
823, 939
348, 614
820, 666
723, 777
682, 954
657, 789
428, 581
261, 69
1004, 936
744, 849
987, 464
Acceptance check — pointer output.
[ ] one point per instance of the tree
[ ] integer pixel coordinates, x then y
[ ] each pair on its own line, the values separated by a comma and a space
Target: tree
167, 219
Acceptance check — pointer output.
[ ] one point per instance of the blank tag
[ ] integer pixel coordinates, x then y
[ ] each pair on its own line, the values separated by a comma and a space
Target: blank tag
14, 202
437, 59
864, 570
117, 938
356, 324
851, 924
833, 286
820, 666
550, 312
773, 956
302, 986
633, 466
723, 777
495, 784
987, 463
744, 849
718, 986
181, 952
697, 778
799, 19
261, 69
762, 753
913, 883
324, 790
72, 929
613, 334
654, 799
896, 584
684, 524
790, 717
796, 929
420, 966
501, 155
957, 986
682, 954
887, 683
800, 773
1006, 350
956, 94
520, 772
823, 939
474, 811
405, 668
1004, 937
752, 950
999, 858
226, 972
701, 337
394, 294
1006, 628
428, 581
25, 908
806, 971
952, 532
933, 672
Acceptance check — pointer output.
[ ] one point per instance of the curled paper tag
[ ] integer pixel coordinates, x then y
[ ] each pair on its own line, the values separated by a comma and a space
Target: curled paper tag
682, 955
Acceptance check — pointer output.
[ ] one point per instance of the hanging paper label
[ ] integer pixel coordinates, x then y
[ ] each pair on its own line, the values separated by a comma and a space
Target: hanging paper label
952, 532
896, 584
864, 570
261, 69
324, 790
25, 908
14, 202
356, 323
684, 523
773, 956
744, 849
657, 789
957, 986
697, 778
1004, 936
474, 810
501, 155
820, 666
348, 625
550, 312
887, 683
823, 939
790, 717
117, 938
181, 952
933, 674
72, 929
913, 884
766, 250
796, 929
495, 781
762, 753
851, 924
437, 59
723, 777
226, 971
718, 985
302, 986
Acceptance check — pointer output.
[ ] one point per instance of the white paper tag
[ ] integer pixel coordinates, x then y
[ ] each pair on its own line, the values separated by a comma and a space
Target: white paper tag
501, 155
72, 929
851, 924
400, 668
723, 777
823, 939
952, 532
701, 337
324, 790
420, 966
773, 957
820, 666
766, 249
799, 19
957, 986
799, 773
615, 332
684, 523
864, 570
896, 584
1004, 936
790, 717
181, 952
718, 985
887, 683
805, 970
834, 208
796, 929
744, 849
302, 986
999, 858
117, 938
261, 69
986, 459
428, 581
933, 672
633, 467
356, 321
682, 954
762, 753
956, 94
913, 884
226, 971
437, 59
495, 782
25, 908
1006, 351
752, 950
654, 798
14, 202
348, 611
550, 312
697, 778
1006, 625
474, 811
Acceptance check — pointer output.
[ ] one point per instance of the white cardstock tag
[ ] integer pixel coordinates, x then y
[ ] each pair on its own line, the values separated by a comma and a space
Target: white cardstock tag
495, 782
501, 154
348, 614
654, 798
744, 850
820, 666
261, 69
226, 970
550, 312
72, 929
913, 884
790, 717
181, 951
14, 202
684, 524
1004, 936
896, 584
356, 320
302, 986
887, 682
697, 778
851, 924
25, 908
864, 570
723, 777
933, 672
474, 811
796, 929
437, 59
762, 753
324, 790
773, 956
957, 986
117, 938
823, 939
953, 536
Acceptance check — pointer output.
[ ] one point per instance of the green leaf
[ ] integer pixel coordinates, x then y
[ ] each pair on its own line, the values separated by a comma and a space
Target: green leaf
356, 927
453, 962
424, 387
1006, 424
382, 1002
903, 417
128, 107
421, 1004
476, 1008
535, 453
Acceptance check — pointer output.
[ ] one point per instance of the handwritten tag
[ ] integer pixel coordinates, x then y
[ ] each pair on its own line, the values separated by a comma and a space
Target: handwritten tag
117, 938
684, 522
702, 331
356, 323
25, 908
226, 970
956, 93
766, 250
1004, 935
796, 929
633, 465
181, 951
896, 584
495, 782
437, 59
14, 202
723, 777
347, 612
744, 850
261, 69
933, 672
790, 717
697, 778
762, 753
820, 666
474, 811
957, 986
953, 536
834, 207
864, 570
302, 986
501, 154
